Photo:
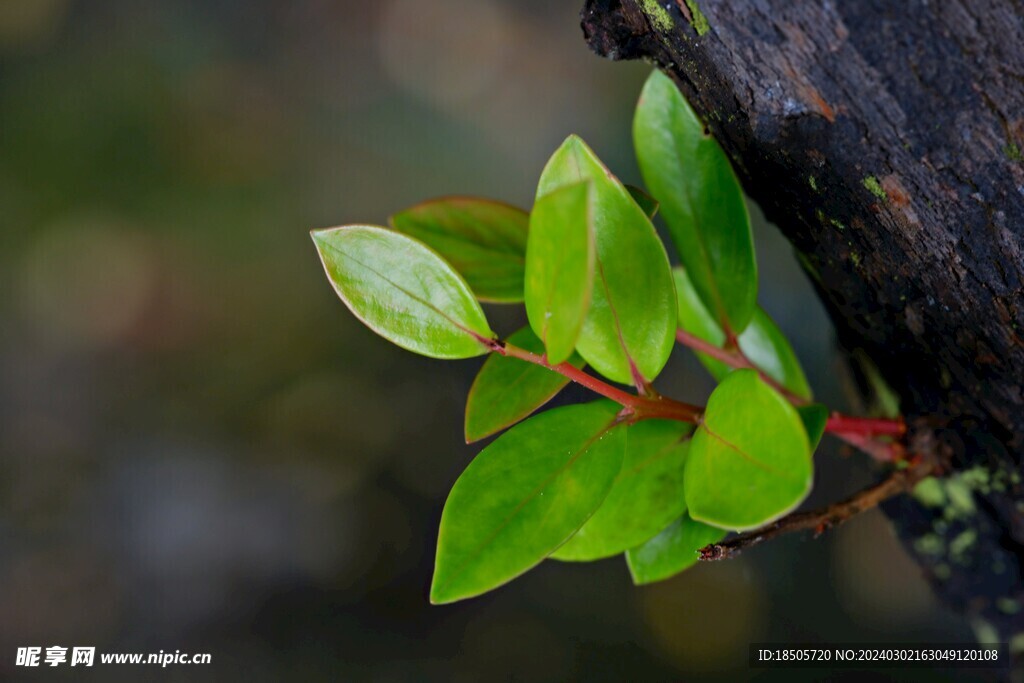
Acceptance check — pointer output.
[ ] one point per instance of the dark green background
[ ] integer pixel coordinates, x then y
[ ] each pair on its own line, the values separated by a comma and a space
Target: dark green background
203, 450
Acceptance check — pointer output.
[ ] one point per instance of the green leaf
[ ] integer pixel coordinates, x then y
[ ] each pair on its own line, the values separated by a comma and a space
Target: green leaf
631, 322
750, 460
670, 552
814, 417
647, 495
483, 239
688, 173
403, 291
525, 495
763, 343
508, 389
645, 201
560, 267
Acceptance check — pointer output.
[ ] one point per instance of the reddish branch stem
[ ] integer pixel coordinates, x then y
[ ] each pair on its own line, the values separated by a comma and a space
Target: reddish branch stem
858, 432
868, 426
882, 451
734, 358
837, 424
643, 407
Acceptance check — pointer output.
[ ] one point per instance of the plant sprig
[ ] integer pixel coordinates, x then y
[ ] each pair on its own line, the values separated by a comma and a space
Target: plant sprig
635, 472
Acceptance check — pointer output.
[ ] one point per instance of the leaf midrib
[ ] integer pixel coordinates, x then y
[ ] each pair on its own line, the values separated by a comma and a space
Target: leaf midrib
749, 458
403, 290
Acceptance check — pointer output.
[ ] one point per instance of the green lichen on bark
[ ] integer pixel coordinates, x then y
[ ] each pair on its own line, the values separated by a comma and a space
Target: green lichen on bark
659, 17
874, 187
699, 21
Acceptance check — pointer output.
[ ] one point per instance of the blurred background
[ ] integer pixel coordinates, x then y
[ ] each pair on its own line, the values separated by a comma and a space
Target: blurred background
203, 450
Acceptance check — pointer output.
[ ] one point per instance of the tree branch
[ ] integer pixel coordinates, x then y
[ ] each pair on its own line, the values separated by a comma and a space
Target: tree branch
897, 482
642, 407
885, 142
856, 431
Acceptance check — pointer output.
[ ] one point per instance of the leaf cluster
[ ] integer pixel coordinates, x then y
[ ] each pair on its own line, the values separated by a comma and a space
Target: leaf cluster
594, 480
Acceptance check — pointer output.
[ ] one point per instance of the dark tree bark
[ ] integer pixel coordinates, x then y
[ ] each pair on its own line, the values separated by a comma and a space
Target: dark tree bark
885, 139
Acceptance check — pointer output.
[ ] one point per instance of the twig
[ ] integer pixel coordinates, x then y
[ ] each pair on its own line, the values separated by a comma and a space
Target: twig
854, 430
734, 358
642, 407
897, 482
882, 451
867, 426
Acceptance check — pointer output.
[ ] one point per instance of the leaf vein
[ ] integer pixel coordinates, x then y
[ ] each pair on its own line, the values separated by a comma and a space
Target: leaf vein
746, 456
403, 290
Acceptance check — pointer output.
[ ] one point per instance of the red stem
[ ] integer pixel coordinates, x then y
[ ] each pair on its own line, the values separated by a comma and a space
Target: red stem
734, 359
857, 431
642, 407
866, 426
837, 423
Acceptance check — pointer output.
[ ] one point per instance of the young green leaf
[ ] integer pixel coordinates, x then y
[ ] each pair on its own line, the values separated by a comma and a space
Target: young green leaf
750, 460
647, 495
645, 201
671, 551
688, 173
403, 291
508, 389
763, 343
560, 267
814, 417
630, 327
523, 496
483, 239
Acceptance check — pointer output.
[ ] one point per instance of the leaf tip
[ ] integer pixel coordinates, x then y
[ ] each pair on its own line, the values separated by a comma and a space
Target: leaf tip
434, 595
471, 435
320, 236
574, 142
438, 596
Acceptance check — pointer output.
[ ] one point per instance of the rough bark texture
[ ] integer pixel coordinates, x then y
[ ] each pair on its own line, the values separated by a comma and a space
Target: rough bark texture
885, 139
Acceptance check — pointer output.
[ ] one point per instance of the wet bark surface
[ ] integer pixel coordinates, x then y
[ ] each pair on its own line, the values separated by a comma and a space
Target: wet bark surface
886, 140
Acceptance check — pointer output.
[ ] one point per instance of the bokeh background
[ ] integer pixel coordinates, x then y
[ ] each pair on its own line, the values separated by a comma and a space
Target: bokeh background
201, 449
